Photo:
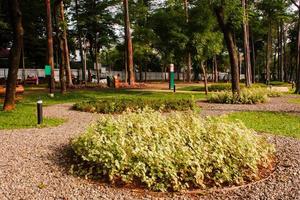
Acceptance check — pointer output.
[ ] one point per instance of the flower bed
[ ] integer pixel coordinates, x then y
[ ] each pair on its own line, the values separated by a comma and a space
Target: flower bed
170, 152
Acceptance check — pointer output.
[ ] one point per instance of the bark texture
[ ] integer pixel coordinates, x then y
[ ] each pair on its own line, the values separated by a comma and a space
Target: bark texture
269, 54
128, 42
65, 46
228, 36
188, 56
205, 76
50, 59
247, 56
15, 54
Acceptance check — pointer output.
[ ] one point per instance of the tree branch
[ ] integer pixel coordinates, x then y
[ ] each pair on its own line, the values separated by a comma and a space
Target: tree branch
294, 2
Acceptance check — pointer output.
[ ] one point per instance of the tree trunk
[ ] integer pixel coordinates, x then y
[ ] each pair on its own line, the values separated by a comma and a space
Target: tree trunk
247, 56
205, 76
66, 48
141, 73
79, 40
62, 67
277, 61
253, 58
228, 36
15, 54
188, 56
285, 65
269, 54
298, 57
128, 42
216, 73
60, 49
126, 66
281, 53
97, 63
146, 69
50, 60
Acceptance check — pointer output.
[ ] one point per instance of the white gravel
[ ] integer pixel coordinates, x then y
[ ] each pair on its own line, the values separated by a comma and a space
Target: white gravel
34, 165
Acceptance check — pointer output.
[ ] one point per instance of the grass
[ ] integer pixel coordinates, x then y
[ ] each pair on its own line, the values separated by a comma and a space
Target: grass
296, 100
227, 86
25, 117
270, 122
25, 114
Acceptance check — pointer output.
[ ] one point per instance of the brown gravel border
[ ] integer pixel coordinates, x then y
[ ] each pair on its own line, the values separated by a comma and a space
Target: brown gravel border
33, 166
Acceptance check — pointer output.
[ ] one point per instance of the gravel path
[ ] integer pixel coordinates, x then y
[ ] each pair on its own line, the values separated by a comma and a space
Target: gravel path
33, 165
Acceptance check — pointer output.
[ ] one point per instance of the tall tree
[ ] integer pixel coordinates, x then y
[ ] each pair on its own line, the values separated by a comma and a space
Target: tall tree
226, 28
15, 53
246, 37
298, 49
188, 56
128, 46
79, 38
50, 59
65, 44
60, 48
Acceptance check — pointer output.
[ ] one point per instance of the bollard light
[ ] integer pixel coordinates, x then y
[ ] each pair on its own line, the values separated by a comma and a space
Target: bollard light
39, 111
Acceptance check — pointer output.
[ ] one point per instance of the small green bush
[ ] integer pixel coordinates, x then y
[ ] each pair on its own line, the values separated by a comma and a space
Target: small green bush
107, 106
211, 88
247, 96
272, 93
172, 151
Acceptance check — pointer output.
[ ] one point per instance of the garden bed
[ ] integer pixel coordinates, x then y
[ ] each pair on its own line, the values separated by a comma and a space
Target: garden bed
171, 153
246, 96
119, 105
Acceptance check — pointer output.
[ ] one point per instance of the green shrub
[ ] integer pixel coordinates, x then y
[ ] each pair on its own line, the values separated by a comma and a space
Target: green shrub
106, 106
211, 88
219, 87
272, 93
172, 151
247, 96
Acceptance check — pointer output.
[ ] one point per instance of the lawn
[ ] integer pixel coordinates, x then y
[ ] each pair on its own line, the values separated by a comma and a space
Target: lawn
270, 122
25, 114
25, 117
227, 86
295, 100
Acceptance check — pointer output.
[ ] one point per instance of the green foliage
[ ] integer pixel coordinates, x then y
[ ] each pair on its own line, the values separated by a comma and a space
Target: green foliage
295, 100
272, 93
247, 96
120, 105
170, 152
211, 88
270, 122
208, 44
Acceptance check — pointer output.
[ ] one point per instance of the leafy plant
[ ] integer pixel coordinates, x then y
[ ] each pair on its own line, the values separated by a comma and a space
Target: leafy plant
114, 105
247, 96
172, 151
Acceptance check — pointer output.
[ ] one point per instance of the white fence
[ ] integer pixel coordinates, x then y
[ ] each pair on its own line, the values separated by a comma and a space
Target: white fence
77, 73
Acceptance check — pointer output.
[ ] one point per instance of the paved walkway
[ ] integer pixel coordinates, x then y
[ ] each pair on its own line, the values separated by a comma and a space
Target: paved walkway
34, 165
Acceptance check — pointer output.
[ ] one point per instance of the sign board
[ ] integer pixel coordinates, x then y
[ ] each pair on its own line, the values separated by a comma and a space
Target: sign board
171, 67
171, 77
47, 70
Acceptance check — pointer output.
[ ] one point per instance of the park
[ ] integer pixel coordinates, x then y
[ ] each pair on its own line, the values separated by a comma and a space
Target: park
149, 99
